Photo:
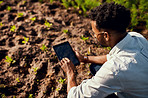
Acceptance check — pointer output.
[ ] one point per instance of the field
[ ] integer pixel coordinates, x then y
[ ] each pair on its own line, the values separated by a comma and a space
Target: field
28, 30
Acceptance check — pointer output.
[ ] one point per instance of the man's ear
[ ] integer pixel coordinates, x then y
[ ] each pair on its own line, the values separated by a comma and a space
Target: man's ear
106, 36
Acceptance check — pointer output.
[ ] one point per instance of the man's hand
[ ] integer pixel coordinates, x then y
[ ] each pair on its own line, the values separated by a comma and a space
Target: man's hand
91, 59
79, 56
69, 68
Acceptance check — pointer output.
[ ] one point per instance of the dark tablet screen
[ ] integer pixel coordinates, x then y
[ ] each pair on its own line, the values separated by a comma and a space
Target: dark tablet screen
65, 50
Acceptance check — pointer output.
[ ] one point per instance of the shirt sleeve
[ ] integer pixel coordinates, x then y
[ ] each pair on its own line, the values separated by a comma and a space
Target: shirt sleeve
108, 56
105, 82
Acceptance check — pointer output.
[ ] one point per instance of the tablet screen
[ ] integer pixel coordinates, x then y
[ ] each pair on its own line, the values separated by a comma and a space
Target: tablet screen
65, 50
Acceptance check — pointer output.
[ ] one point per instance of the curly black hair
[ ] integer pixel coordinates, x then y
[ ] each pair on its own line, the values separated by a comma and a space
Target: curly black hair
111, 16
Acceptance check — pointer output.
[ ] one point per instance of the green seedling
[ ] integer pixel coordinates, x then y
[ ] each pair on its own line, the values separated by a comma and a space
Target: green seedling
17, 79
24, 2
66, 3
51, 1
35, 70
8, 8
84, 38
57, 89
88, 50
25, 40
47, 24
85, 54
89, 65
61, 80
65, 31
3, 96
2, 85
30, 96
40, 1
13, 28
44, 48
1, 2
9, 60
80, 12
108, 48
1, 24
33, 18
52, 88
20, 14
88, 72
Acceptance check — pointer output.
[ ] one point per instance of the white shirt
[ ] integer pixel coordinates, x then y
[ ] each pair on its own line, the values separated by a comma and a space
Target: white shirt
125, 72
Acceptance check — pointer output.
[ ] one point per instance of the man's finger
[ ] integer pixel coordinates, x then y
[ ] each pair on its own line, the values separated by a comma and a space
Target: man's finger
62, 61
67, 60
75, 49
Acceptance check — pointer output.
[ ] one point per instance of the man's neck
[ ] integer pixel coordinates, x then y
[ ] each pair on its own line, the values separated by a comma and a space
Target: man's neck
117, 38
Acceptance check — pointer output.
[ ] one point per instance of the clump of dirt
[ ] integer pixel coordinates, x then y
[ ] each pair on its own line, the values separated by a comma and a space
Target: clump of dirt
30, 70
36, 72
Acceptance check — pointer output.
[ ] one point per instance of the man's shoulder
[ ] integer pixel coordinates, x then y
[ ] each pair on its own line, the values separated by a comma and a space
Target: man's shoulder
120, 61
135, 34
139, 36
125, 60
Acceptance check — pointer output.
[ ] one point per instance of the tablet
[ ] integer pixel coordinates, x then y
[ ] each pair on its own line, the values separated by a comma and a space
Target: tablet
65, 50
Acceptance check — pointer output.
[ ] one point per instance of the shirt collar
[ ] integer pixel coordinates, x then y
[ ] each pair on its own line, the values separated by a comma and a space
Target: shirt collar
120, 45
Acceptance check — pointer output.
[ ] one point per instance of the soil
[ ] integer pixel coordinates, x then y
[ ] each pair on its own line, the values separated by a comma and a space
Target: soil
36, 72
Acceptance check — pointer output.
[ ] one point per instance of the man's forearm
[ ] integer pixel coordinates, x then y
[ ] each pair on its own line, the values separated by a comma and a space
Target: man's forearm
96, 59
71, 81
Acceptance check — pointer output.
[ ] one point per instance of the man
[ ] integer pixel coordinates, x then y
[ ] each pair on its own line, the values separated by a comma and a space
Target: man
124, 70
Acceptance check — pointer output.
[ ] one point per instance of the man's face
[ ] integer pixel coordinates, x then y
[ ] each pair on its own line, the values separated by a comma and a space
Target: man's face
99, 35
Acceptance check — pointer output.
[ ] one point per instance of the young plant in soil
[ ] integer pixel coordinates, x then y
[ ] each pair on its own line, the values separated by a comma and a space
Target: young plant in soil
37, 80
14, 96
2, 85
25, 40
1, 2
30, 96
8, 8
57, 89
1, 24
40, 1
9, 60
66, 31
17, 79
84, 38
108, 48
33, 18
13, 28
24, 2
66, 3
43, 48
3, 96
20, 15
35, 70
88, 72
47, 24
51, 1
61, 80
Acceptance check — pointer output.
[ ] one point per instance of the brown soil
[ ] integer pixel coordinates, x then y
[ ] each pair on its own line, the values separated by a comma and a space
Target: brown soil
20, 78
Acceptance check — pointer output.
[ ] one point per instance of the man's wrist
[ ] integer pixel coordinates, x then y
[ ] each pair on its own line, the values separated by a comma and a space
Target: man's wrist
71, 81
85, 59
70, 75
